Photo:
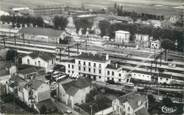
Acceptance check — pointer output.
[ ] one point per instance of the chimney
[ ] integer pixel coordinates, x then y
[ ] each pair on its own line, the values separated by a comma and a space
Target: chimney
107, 57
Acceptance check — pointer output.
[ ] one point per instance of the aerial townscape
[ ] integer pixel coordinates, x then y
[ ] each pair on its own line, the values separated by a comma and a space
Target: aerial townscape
98, 57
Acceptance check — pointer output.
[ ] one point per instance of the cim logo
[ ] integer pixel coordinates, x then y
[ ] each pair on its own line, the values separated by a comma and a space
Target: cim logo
168, 110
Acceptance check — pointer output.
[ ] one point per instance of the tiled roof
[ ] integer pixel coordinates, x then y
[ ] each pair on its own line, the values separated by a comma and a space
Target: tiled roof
41, 31
133, 99
35, 84
93, 57
28, 70
115, 66
18, 81
72, 87
44, 56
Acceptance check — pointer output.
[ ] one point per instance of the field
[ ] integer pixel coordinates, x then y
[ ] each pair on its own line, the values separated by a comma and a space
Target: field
151, 6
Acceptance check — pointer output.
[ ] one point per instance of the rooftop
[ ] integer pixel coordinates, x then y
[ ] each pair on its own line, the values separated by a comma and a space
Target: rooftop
28, 70
41, 31
114, 65
44, 56
133, 99
35, 84
17, 81
92, 57
73, 86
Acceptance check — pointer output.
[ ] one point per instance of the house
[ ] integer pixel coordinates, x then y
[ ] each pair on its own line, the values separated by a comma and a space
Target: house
143, 40
8, 31
35, 91
115, 73
74, 92
28, 73
88, 65
122, 36
155, 44
131, 104
4, 71
40, 34
29, 92
39, 59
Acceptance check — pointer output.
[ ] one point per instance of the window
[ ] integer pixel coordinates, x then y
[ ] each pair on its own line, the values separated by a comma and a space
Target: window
35, 63
112, 73
79, 68
72, 66
72, 71
119, 80
84, 63
119, 74
39, 63
100, 71
28, 62
100, 65
99, 77
89, 63
108, 72
94, 70
94, 64
128, 108
68, 71
68, 65
79, 62
89, 69
84, 69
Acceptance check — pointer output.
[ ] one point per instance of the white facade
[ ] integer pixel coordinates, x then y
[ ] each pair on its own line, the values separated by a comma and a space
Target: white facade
9, 32
116, 75
39, 62
122, 36
141, 76
79, 97
88, 68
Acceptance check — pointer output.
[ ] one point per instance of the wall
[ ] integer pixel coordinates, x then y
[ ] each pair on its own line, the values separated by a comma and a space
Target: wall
105, 111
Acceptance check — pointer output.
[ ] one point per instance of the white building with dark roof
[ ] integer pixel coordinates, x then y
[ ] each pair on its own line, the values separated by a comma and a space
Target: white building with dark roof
41, 34
131, 104
122, 36
74, 91
39, 59
89, 65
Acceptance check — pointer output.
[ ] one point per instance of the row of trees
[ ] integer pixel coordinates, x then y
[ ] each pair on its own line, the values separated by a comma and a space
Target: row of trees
23, 20
82, 23
134, 15
157, 33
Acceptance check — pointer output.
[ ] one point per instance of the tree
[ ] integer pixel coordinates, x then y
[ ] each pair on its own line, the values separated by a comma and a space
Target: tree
60, 22
167, 44
104, 26
43, 109
82, 23
11, 55
167, 102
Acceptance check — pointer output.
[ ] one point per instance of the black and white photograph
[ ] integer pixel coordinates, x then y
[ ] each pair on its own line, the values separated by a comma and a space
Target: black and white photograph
91, 57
